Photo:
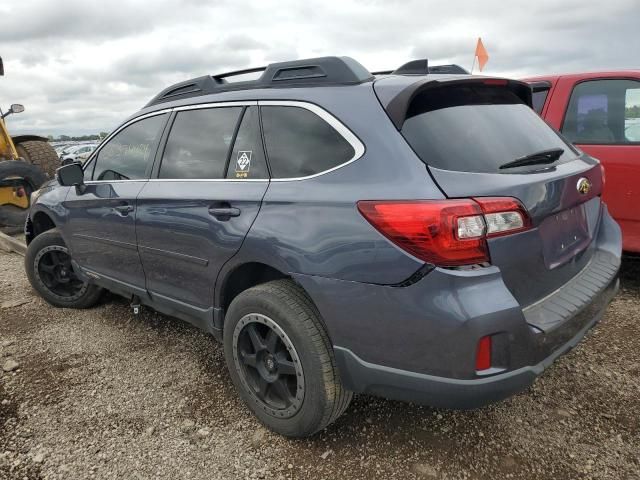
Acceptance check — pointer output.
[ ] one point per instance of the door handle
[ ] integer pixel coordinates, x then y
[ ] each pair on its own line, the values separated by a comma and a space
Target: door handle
124, 209
224, 213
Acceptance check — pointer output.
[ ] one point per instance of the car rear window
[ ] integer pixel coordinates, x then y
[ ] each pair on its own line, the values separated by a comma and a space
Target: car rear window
476, 128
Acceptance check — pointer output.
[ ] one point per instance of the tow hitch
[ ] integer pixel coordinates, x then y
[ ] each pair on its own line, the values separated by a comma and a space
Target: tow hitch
135, 305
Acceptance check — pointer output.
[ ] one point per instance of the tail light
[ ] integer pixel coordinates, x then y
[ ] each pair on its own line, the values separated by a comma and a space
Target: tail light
503, 215
446, 233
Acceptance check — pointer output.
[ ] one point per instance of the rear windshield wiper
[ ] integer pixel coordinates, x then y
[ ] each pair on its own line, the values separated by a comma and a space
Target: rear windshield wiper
538, 158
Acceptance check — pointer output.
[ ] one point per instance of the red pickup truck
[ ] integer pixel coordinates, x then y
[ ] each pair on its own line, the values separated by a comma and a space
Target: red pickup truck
600, 113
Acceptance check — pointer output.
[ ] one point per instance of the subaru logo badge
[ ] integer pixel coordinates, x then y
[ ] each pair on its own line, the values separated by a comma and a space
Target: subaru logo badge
583, 186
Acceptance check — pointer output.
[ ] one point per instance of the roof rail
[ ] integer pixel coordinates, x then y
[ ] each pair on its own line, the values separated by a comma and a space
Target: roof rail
308, 72
422, 67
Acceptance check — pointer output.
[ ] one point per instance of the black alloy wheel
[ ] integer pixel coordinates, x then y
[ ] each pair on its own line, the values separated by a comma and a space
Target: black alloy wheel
269, 365
54, 270
52, 274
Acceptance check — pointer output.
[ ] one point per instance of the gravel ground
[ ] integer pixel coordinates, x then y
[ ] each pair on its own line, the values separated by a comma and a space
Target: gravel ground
101, 393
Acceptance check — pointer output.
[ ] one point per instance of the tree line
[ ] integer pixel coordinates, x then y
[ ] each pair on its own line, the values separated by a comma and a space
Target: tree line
632, 112
81, 138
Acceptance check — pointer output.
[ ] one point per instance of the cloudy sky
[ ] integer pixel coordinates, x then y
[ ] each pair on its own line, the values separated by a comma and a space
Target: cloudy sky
82, 66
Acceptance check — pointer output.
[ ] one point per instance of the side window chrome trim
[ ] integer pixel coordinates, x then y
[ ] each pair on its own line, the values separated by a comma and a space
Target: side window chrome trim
98, 182
348, 135
160, 112
266, 180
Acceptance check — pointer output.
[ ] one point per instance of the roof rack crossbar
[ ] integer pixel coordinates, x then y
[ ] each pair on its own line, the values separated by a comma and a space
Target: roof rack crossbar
239, 72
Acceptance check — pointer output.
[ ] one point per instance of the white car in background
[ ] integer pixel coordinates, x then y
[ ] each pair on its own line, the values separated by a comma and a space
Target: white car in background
77, 154
64, 149
60, 149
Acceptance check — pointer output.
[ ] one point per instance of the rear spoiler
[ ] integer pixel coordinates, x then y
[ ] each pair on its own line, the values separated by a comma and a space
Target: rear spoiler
397, 108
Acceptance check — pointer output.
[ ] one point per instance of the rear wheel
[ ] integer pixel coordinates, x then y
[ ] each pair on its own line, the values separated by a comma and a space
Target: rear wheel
281, 361
40, 154
51, 274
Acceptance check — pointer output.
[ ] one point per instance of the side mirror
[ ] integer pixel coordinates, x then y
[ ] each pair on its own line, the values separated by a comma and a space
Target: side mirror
71, 176
16, 108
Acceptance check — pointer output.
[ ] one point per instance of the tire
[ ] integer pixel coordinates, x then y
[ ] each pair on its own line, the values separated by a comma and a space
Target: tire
40, 154
282, 307
45, 247
11, 215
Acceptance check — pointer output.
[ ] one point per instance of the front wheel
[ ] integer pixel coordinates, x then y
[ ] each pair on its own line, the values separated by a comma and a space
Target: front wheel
51, 274
281, 361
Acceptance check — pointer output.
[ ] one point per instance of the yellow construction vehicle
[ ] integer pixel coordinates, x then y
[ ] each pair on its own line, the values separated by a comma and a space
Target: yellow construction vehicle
26, 162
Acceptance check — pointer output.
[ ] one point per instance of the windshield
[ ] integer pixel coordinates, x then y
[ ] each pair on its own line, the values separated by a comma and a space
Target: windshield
477, 128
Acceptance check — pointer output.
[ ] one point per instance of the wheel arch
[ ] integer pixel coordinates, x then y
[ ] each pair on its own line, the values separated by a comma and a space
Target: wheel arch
37, 223
242, 277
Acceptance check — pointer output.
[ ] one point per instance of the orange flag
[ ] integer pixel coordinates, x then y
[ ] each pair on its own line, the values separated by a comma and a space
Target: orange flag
481, 53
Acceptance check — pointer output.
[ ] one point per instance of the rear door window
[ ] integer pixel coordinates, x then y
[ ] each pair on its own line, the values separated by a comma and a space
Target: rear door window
299, 143
476, 128
129, 154
199, 143
603, 112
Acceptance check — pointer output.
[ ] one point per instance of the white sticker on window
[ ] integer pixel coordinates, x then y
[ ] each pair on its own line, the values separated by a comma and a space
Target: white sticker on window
243, 163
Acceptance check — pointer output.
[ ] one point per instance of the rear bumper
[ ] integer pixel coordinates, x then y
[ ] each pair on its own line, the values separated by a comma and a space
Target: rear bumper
361, 376
417, 342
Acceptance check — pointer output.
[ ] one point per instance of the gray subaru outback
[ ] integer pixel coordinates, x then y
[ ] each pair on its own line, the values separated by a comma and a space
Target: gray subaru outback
418, 234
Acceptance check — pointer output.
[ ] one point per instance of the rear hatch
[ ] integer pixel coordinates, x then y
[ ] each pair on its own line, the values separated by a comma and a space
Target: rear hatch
469, 132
